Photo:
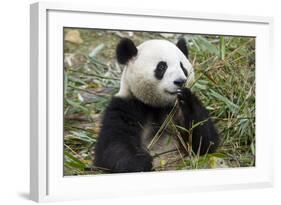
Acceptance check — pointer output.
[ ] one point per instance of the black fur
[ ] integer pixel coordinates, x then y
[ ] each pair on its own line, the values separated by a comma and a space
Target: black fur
125, 50
119, 147
160, 70
184, 69
181, 44
204, 135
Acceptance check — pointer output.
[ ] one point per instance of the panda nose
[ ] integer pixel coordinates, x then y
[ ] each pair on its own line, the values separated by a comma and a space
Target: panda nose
180, 82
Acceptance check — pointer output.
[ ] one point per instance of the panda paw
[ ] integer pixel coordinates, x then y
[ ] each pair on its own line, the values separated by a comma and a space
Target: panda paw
141, 162
188, 102
184, 96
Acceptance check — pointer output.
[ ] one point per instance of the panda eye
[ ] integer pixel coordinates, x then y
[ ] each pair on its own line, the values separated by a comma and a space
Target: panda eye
160, 70
162, 66
183, 69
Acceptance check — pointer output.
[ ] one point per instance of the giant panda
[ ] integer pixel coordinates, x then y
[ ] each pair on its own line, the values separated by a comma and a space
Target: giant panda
156, 75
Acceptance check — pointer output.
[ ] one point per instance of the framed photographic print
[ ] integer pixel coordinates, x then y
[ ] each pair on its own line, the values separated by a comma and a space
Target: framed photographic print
127, 102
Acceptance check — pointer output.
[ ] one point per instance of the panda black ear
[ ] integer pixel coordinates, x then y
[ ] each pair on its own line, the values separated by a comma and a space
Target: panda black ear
181, 44
125, 50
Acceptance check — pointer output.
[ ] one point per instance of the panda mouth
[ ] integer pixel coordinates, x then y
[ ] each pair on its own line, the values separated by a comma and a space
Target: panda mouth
172, 93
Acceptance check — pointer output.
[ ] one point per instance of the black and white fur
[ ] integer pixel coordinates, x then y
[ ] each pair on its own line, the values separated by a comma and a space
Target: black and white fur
154, 76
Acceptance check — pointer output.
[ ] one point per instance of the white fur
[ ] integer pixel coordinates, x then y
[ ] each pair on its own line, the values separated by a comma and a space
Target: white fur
138, 77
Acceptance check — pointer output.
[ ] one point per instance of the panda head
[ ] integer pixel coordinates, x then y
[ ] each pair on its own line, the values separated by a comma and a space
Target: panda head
154, 71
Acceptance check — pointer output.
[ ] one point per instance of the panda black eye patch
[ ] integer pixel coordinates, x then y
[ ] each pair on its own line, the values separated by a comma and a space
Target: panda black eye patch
160, 70
183, 69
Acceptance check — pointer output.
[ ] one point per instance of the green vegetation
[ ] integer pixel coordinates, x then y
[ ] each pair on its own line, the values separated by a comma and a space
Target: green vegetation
225, 82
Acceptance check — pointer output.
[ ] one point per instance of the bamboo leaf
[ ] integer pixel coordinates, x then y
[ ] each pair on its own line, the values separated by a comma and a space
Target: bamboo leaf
77, 105
229, 104
96, 50
222, 48
82, 136
73, 161
207, 45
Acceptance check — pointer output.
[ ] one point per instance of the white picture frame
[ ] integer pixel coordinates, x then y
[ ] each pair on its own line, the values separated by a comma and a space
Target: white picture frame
47, 182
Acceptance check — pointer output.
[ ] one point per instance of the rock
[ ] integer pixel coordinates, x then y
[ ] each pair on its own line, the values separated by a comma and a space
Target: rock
73, 36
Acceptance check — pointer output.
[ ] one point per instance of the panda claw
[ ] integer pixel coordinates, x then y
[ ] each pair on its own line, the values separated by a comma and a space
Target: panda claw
179, 91
180, 96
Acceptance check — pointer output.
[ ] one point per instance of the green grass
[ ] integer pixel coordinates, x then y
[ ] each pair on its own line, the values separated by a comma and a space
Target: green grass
225, 82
